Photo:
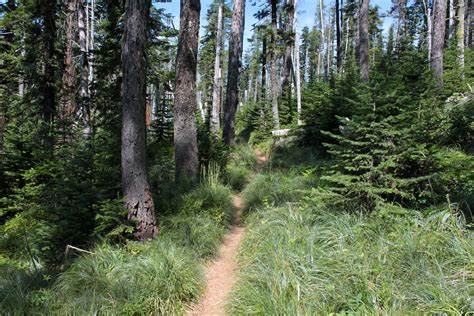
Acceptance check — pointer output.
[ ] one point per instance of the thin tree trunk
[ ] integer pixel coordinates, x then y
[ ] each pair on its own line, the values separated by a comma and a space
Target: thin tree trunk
68, 100
83, 46
321, 45
185, 133
91, 42
264, 68
364, 40
306, 65
338, 36
460, 34
136, 187
233, 72
439, 29
452, 14
429, 26
273, 68
217, 84
48, 12
329, 40
199, 97
297, 67
469, 24
289, 43
84, 93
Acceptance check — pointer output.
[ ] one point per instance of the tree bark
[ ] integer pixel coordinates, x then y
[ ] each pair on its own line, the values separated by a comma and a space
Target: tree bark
338, 36
452, 14
68, 100
264, 68
136, 187
364, 40
469, 25
185, 133
460, 35
297, 67
217, 84
321, 45
233, 73
273, 68
429, 26
84, 92
289, 43
439, 29
48, 13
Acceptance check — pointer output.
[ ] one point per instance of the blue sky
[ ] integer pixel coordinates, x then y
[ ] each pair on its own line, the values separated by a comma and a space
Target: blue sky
306, 12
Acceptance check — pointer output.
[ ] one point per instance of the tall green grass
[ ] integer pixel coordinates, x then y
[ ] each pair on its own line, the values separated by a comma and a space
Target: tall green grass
310, 261
241, 167
159, 277
276, 188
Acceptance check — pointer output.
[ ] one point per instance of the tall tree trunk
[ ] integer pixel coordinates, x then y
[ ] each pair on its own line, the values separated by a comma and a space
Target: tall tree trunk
338, 36
289, 43
264, 68
273, 68
91, 41
84, 92
48, 13
429, 26
233, 73
185, 134
460, 35
297, 67
439, 29
321, 45
136, 187
83, 46
364, 40
68, 100
217, 84
452, 14
402, 10
469, 24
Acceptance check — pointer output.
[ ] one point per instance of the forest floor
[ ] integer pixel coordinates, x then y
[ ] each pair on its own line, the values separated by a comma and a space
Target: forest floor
220, 274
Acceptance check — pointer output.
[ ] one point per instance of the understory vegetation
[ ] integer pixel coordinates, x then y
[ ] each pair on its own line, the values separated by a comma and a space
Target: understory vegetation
303, 254
162, 276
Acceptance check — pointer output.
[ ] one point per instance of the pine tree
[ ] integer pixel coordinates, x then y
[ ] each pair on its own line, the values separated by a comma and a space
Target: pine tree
136, 187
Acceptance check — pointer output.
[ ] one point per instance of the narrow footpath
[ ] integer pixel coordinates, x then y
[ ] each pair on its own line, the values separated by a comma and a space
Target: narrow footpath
221, 273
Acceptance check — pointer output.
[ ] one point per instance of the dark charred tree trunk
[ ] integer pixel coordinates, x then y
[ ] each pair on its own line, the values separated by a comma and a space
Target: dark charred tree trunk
48, 88
68, 99
273, 68
364, 40
338, 36
439, 30
289, 44
235, 55
136, 188
185, 104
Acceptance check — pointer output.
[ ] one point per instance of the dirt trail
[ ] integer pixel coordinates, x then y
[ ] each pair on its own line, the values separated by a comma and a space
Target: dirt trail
220, 274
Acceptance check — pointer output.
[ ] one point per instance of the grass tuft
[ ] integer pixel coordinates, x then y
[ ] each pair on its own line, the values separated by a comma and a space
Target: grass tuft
318, 262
